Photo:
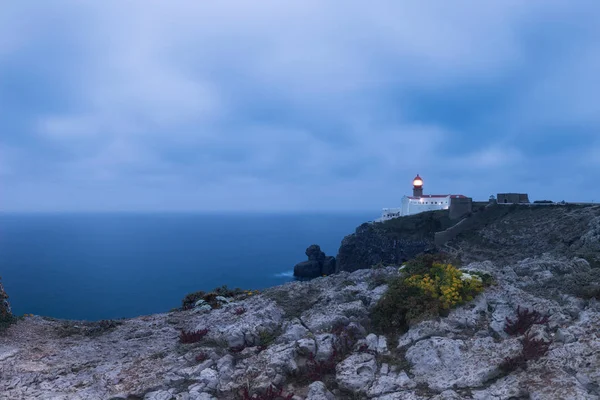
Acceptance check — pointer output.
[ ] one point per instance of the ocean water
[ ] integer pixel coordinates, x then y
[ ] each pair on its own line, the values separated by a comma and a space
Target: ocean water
101, 266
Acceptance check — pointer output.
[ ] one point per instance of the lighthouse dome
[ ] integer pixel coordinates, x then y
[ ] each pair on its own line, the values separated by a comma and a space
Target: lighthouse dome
417, 182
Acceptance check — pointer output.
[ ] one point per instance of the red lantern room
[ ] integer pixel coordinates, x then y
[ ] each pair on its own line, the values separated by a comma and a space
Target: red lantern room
417, 186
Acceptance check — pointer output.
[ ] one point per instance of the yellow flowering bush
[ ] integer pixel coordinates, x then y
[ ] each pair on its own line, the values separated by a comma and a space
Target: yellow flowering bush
447, 284
423, 291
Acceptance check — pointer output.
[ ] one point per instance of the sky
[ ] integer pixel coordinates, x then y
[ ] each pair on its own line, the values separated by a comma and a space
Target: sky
274, 106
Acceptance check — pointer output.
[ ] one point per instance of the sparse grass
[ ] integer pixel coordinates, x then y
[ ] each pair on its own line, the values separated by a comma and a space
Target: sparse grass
214, 342
423, 263
189, 301
272, 393
378, 277
294, 302
85, 328
159, 355
6, 321
266, 338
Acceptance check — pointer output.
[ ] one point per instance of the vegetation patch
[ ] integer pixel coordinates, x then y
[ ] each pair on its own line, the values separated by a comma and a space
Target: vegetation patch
423, 263
532, 350
314, 370
294, 302
239, 310
6, 316
190, 300
425, 289
201, 357
192, 336
378, 277
525, 320
266, 337
6, 321
85, 328
272, 393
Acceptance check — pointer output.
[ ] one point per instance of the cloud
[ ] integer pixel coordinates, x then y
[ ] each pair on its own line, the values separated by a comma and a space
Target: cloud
272, 102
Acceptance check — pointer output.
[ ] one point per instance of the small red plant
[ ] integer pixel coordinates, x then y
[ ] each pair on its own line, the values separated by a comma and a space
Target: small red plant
272, 393
239, 311
532, 350
202, 357
363, 348
337, 329
260, 348
237, 349
192, 336
316, 370
512, 363
525, 320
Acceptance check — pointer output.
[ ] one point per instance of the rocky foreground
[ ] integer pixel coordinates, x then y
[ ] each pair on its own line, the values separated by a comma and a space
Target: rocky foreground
313, 340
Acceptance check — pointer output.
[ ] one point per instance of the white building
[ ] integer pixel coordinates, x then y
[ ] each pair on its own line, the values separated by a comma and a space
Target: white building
419, 202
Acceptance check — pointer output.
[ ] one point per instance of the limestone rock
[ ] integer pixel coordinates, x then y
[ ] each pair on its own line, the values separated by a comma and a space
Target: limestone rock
357, 372
318, 391
444, 363
451, 357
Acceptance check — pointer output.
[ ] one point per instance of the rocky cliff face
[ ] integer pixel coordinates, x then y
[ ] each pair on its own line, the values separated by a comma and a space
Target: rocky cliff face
500, 233
391, 242
314, 339
511, 233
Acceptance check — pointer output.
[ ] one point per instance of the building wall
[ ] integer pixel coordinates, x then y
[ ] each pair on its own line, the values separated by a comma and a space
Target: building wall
391, 213
418, 206
504, 198
460, 207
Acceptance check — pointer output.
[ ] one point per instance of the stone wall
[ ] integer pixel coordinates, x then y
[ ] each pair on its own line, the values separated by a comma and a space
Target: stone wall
513, 198
459, 207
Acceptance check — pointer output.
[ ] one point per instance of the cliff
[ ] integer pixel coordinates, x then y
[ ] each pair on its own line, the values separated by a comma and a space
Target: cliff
391, 242
499, 233
532, 333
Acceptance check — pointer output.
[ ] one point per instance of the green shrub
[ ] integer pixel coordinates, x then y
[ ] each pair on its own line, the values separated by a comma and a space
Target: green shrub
486, 278
423, 263
422, 296
190, 299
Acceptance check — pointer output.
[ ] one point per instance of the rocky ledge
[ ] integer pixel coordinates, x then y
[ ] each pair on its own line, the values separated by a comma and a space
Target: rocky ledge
314, 340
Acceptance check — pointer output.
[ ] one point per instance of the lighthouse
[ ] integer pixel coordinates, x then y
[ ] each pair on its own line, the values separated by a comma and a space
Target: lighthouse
419, 202
417, 186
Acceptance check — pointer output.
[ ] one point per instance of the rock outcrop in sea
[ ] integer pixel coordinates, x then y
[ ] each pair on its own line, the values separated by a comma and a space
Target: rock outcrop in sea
318, 264
531, 334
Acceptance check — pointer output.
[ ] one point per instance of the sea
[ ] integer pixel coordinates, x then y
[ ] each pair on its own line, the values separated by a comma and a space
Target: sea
122, 265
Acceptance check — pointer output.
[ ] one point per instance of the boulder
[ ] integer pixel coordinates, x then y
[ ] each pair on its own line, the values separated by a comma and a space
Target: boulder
318, 264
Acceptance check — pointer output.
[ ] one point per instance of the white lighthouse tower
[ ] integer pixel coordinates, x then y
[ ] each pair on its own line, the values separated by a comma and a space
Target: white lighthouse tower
419, 202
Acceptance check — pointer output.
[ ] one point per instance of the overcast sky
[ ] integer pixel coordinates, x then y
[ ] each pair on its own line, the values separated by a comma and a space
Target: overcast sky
295, 105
